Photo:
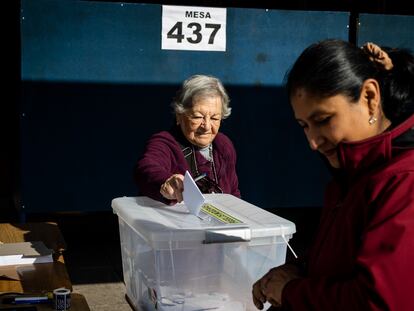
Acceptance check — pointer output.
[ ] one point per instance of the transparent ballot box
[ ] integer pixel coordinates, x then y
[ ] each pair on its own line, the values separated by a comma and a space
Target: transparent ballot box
173, 260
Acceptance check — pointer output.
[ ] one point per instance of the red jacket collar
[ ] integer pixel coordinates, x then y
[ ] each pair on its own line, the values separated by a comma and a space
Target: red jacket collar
358, 157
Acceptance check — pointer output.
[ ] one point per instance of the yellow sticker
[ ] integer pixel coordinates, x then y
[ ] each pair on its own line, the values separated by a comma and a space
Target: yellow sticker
219, 214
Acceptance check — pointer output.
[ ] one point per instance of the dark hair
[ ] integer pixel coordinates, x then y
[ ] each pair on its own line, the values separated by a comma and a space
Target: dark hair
331, 67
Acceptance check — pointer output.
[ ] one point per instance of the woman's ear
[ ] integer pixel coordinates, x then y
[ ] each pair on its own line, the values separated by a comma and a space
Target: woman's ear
177, 118
371, 96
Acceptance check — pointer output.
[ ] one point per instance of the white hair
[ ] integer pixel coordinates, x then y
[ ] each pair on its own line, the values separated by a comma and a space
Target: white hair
199, 86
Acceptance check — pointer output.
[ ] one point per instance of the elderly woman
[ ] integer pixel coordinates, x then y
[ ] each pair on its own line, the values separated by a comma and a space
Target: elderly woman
194, 144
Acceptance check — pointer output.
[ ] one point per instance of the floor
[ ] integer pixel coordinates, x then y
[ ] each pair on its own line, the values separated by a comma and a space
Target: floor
94, 261
93, 255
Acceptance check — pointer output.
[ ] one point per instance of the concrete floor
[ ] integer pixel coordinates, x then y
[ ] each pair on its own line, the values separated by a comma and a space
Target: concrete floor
93, 260
101, 285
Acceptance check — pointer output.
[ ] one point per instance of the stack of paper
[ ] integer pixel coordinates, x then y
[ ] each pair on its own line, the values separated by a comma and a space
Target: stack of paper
24, 253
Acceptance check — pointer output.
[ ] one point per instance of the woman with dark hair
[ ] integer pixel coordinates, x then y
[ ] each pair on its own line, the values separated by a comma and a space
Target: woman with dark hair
356, 107
194, 144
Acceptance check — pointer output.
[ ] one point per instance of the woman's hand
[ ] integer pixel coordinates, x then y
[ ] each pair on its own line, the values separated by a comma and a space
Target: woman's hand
270, 286
172, 188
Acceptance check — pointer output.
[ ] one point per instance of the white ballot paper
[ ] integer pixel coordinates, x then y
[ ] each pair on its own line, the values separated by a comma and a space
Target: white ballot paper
193, 198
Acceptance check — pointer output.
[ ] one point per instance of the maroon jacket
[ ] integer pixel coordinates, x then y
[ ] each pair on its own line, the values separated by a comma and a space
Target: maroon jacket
363, 255
163, 157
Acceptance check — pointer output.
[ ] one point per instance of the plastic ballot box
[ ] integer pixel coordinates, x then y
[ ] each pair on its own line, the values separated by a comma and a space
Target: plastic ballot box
176, 261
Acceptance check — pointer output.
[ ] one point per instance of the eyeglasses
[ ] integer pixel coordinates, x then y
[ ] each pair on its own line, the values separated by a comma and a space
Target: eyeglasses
207, 185
197, 120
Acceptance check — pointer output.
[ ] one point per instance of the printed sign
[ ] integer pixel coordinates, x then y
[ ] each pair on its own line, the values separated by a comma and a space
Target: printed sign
193, 28
219, 214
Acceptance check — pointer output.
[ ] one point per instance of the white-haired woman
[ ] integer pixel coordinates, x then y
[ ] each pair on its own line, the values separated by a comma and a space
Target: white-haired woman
194, 144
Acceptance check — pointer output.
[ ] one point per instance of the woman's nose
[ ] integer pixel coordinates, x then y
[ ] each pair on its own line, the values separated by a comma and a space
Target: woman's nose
206, 124
315, 140
313, 144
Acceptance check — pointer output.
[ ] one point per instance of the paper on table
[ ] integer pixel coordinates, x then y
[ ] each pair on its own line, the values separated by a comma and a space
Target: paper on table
24, 253
193, 198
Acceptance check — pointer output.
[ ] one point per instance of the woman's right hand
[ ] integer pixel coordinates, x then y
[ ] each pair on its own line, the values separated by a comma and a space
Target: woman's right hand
172, 188
270, 286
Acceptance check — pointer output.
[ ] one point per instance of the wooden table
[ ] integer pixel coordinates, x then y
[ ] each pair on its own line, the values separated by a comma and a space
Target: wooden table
39, 278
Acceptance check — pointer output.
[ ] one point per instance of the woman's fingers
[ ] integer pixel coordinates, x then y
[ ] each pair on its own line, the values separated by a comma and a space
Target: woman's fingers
258, 297
167, 191
172, 188
178, 186
278, 278
269, 287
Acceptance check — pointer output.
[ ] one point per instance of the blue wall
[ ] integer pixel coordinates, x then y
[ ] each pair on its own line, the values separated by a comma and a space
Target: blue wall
96, 85
389, 30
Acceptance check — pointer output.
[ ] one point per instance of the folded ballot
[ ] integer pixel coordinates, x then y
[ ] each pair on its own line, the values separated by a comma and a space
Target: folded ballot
24, 253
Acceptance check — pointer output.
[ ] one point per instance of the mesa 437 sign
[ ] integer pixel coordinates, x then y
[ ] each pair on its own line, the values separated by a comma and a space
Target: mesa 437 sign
193, 28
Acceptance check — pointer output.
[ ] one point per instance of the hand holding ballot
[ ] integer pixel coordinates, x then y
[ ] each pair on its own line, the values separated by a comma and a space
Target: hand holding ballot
173, 188
180, 188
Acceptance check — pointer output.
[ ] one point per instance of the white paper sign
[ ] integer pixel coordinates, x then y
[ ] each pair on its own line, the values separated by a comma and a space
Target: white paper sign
193, 28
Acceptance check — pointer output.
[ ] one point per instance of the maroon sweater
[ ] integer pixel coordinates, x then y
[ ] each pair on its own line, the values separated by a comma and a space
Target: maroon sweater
163, 157
363, 255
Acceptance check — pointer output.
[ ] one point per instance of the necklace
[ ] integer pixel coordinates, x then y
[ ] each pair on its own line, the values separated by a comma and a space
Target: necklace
213, 166
210, 158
